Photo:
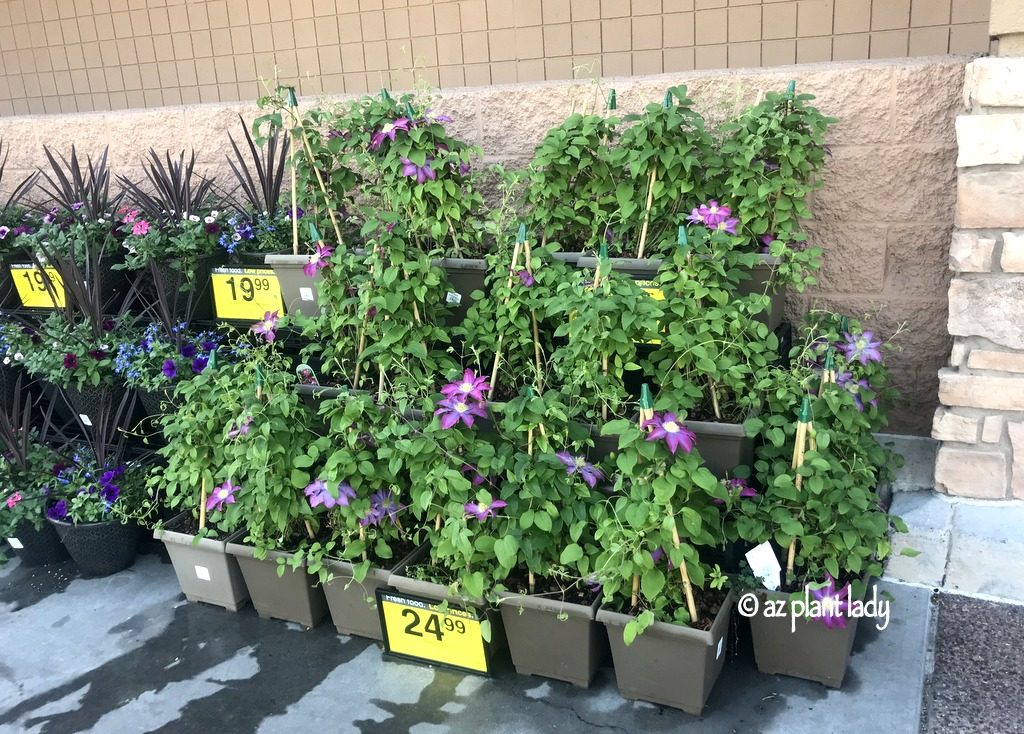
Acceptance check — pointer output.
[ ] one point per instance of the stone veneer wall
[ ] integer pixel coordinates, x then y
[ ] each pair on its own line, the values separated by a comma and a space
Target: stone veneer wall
884, 216
981, 421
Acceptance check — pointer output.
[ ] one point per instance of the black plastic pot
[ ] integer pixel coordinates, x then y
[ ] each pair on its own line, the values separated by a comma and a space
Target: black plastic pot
100, 548
195, 303
465, 275
88, 399
8, 293
152, 401
37, 546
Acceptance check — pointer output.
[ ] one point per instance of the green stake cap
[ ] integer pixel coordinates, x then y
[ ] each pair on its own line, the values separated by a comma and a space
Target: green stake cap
805, 410
668, 99
211, 361
612, 101
791, 88
409, 112
681, 238
314, 233
521, 237
830, 359
844, 324
603, 252
384, 95
292, 101
646, 403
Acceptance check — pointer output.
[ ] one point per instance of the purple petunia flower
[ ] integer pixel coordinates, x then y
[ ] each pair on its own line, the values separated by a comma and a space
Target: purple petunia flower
422, 173
170, 369
526, 278
668, 427
188, 351
58, 511
579, 465
240, 428
267, 328
199, 364
389, 131
70, 361
832, 607
108, 324
470, 386
222, 495
318, 260
76, 206
862, 347
383, 506
208, 345
4, 231
248, 234
483, 510
318, 494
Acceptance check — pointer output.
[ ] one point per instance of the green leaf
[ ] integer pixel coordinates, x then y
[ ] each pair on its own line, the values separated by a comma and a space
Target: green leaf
505, 550
570, 554
910, 552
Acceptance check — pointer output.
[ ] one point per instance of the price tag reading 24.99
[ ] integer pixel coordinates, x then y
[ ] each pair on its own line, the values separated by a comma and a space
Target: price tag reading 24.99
245, 294
417, 629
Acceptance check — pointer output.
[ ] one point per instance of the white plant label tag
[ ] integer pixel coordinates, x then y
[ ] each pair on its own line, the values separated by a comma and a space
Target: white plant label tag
453, 298
15, 543
203, 573
765, 565
306, 294
721, 642
85, 419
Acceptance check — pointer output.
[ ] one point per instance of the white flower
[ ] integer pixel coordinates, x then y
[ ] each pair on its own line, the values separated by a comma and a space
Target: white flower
236, 237
18, 356
7, 360
214, 214
193, 218
210, 220
104, 346
101, 220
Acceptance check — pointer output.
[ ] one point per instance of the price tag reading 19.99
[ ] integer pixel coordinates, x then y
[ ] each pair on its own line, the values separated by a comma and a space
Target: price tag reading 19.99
245, 294
31, 285
418, 629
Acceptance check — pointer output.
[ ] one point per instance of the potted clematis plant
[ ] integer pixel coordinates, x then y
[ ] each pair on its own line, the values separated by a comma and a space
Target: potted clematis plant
667, 614
821, 513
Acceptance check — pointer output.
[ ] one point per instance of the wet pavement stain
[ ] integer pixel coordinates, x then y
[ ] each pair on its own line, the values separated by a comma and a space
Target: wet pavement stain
23, 587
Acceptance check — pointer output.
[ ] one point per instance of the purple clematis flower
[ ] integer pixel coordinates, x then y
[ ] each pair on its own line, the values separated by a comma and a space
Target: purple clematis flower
845, 380
833, 607
862, 347
475, 476
766, 242
318, 260
318, 494
267, 328
526, 278
389, 131
222, 495
579, 465
455, 409
422, 173
710, 214
727, 225
668, 427
383, 505
738, 488
58, 511
240, 428
199, 364
483, 510
169, 369
658, 555
470, 386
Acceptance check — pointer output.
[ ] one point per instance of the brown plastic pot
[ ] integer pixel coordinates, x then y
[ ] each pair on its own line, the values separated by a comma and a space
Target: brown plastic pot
204, 569
293, 597
298, 290
723, 446
669, 664
554, 639
812, 651
353, 605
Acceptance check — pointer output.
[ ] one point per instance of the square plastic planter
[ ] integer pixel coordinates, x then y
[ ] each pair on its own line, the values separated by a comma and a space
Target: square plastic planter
812, 651
293, 597
298, 290
569, 649
669, 664
723, 446
353, 605
204, 569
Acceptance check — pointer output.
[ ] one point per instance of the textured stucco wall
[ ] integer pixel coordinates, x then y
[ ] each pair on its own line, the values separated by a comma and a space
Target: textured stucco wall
884, 216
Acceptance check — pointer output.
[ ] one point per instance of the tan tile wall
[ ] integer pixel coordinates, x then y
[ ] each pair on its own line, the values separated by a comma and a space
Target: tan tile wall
86, 55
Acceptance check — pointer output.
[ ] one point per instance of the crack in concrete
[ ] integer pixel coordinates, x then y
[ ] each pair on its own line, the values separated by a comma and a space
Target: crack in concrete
578, 715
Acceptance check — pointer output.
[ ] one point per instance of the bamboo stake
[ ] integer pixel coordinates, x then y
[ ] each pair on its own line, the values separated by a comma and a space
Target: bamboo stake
647, 212
802, 426
691, 605
202, 504
511, 275
533, 319
531, 581
634, 599
362, 537
309, 530
293, 112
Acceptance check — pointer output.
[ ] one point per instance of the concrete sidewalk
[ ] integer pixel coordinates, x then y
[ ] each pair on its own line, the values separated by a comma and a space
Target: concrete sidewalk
127, 654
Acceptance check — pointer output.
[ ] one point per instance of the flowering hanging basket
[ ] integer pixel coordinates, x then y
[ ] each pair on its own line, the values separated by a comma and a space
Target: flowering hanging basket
100, 548
812, 651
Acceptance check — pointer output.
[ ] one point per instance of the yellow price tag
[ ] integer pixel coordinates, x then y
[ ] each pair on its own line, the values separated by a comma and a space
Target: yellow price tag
30, 282
245, 294
416, 629
654, 292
